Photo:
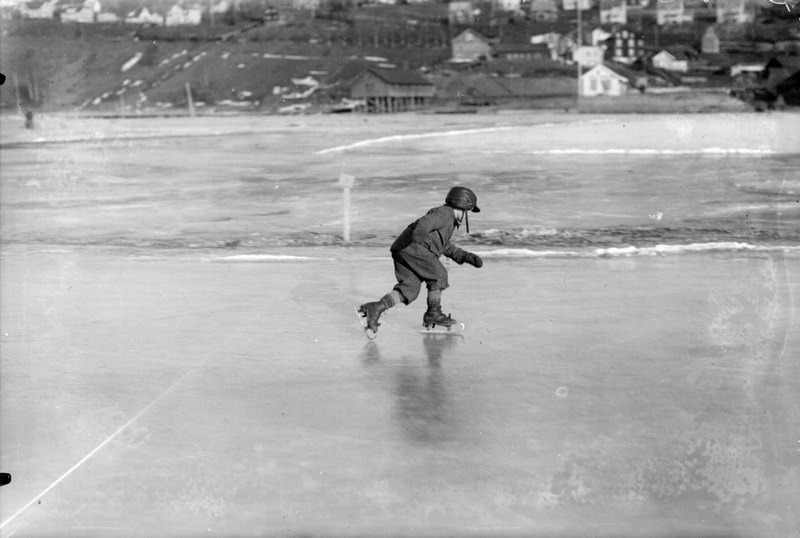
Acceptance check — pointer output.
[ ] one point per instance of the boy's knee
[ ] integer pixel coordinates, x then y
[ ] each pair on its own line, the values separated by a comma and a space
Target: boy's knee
407, 295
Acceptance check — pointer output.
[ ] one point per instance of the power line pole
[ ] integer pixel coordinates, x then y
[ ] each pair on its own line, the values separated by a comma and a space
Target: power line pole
579, 42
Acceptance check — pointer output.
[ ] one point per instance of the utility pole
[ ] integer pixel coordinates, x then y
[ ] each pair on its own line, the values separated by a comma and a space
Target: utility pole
579, 42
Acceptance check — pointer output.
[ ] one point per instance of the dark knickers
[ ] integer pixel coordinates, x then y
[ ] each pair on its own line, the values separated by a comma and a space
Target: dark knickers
413, 266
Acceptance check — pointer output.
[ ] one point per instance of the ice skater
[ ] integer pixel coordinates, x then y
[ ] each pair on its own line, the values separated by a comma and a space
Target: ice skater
416, 254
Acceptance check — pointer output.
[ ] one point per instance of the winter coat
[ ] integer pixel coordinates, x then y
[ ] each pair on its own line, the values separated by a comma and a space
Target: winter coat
432, 232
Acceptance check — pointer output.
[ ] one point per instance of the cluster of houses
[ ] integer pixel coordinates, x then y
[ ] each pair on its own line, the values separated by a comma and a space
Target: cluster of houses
190, 12
95, 11
615, 11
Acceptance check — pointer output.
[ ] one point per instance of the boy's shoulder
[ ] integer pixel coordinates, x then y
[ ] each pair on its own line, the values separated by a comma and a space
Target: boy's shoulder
441, 210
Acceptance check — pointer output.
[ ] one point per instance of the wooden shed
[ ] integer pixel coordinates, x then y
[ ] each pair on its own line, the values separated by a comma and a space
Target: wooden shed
392, 90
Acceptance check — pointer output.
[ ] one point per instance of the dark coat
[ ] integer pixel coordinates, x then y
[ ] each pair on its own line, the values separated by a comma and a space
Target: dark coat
433, 231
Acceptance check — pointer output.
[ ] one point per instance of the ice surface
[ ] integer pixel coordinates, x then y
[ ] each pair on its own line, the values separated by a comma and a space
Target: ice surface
225, 388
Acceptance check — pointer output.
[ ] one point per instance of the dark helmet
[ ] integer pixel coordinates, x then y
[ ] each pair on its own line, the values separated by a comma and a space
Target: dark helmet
462, 198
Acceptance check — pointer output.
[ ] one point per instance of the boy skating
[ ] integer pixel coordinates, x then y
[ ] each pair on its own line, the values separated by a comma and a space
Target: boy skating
416, 255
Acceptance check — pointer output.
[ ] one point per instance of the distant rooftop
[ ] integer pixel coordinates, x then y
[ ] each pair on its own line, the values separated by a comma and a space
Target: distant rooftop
400, 77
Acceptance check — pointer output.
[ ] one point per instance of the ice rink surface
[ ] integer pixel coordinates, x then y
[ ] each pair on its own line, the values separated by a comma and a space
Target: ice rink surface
180, 355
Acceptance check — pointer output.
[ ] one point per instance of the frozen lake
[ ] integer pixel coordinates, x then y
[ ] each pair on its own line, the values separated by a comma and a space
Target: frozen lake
629, 368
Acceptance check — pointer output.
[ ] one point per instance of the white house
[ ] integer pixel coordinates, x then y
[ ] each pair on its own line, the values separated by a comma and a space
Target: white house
673, 13
471, 46
222, 7
38, 10
460, 13
613, 12
107, 16
733, 11
144, 16
508, 5
543, 10
600, 80
570, 5
588, 56
665, 60
179, 15
552, 40
599, 37
86, 13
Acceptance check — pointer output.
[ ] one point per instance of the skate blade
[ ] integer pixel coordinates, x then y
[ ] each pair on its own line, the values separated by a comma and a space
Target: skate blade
443, 329
362, 318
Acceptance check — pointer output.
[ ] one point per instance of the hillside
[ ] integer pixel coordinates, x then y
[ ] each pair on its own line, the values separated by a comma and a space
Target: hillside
106, 67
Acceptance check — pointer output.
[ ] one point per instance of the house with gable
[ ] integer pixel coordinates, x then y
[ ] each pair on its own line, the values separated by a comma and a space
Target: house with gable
223, 6
470, 45
733, 11
673, 13
602, 80
38, 9
668, 62
710, 42
144, 16
392, 90
508, 5
85, 13
180, 15
624, 46
613, 12
460, 13
588, 56
599, 37
543, 11
516, 52
572, 5
107, 16
778, 69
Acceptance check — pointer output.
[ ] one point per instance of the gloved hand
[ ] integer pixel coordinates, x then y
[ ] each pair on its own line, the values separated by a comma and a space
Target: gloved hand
474, 259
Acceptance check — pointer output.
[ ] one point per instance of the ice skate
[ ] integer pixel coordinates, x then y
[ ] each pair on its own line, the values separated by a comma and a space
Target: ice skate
434, 316
372, 313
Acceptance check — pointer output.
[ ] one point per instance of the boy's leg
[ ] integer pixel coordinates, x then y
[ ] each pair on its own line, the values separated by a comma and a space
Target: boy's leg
434, 314
406, 290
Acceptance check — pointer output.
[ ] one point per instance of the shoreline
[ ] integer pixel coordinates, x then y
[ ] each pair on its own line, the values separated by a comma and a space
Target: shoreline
692, 133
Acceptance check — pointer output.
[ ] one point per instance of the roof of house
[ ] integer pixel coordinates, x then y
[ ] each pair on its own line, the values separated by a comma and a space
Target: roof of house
505, 48
793, 82
399, 77
541, 5
603, 68
623, 71
478, 35
788, 62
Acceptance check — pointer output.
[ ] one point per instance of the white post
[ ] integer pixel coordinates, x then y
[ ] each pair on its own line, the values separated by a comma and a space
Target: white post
346, 182
189, 99
346, 215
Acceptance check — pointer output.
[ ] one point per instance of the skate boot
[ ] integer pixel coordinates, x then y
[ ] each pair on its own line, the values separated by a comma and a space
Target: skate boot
372, 311
434, 316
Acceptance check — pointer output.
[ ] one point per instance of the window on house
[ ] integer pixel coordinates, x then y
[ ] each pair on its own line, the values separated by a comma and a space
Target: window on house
593, 84
606, 86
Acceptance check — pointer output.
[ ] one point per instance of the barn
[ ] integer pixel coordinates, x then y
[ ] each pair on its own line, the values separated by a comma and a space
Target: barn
392, 90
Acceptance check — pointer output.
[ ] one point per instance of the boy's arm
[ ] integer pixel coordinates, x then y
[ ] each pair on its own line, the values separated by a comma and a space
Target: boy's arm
460, 256
455, 253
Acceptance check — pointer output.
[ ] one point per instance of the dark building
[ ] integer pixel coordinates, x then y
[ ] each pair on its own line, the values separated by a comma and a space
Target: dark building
392, 90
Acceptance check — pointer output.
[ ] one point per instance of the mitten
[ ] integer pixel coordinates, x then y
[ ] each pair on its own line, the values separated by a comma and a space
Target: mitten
474, 259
